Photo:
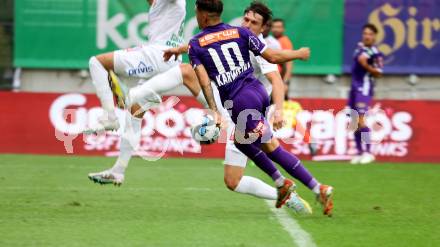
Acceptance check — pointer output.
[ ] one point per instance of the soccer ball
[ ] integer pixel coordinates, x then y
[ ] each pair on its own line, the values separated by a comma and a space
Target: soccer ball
207, 132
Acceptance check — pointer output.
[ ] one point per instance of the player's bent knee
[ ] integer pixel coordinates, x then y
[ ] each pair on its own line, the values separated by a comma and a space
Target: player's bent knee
106, 60
185, 68
137, 111
187, 71
361, 122
270, 146
232, 182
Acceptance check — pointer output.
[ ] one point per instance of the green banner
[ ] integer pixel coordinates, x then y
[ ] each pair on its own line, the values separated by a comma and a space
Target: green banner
65, 33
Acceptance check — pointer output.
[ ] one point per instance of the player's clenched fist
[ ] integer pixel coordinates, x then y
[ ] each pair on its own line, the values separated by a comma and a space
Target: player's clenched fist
304, 53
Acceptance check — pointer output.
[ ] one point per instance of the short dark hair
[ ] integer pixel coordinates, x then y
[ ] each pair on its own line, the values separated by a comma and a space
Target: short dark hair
210, 6
261, 9
371, 27
278, 20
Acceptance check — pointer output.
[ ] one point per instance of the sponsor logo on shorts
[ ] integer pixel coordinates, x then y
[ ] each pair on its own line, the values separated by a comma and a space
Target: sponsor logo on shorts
260, 129
141, 69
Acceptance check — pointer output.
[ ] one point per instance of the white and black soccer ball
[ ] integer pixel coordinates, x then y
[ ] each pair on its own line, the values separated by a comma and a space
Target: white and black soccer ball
207, 132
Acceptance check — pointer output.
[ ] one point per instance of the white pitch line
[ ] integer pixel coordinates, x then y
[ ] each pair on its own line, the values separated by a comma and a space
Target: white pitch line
299, 235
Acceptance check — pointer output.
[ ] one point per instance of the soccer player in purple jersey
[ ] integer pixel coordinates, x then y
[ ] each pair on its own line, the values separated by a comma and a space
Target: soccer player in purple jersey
368, 64
256, 18
220, 53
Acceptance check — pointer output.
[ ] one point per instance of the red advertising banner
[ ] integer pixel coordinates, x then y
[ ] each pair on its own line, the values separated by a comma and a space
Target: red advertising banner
42, 123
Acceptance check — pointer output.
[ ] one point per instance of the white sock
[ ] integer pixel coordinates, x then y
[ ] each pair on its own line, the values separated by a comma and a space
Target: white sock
316, 189
158, 84
201, 99
256, 187
130, 140
100, 81
279, 182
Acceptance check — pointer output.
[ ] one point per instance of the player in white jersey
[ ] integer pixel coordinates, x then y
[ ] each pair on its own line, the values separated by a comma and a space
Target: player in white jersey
268, 74
263, 70
155, 76
270, 40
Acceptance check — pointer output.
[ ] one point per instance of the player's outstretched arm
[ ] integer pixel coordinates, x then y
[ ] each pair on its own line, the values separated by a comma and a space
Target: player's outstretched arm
176, 52
282, 56
376, 72
205, 84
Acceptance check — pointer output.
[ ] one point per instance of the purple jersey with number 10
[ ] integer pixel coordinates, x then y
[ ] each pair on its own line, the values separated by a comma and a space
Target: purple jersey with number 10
224, 52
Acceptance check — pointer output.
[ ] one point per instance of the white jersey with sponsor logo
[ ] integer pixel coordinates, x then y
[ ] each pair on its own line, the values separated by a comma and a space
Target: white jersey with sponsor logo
165, 22
262, 67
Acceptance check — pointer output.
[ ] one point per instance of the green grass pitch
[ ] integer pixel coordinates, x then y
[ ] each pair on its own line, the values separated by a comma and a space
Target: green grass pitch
48, 201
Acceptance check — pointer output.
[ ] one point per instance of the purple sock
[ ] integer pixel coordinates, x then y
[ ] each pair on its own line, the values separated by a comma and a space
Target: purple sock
365, 136
260, 159
293, 166
358, 140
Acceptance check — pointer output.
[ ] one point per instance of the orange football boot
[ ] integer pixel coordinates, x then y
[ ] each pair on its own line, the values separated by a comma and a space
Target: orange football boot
284, 192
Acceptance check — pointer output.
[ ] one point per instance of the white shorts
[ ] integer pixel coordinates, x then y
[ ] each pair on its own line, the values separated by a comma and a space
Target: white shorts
142, 61
233, 156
